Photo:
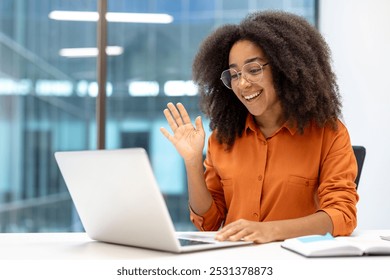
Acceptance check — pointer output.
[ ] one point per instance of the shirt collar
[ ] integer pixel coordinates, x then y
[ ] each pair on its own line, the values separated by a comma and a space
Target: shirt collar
250, 124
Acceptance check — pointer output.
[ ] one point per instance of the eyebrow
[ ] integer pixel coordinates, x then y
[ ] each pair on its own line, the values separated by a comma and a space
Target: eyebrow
247, 61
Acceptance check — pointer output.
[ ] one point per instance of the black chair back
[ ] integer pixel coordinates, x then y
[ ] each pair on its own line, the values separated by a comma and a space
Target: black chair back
360, 154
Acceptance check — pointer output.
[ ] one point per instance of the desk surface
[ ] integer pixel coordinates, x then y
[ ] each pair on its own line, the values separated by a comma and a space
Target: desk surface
78, 246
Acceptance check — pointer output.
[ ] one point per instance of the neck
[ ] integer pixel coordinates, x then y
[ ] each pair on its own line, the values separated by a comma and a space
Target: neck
269, 124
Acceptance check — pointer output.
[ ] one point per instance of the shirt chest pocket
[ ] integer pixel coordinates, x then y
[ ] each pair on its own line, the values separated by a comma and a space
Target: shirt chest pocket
301, 193
297, 181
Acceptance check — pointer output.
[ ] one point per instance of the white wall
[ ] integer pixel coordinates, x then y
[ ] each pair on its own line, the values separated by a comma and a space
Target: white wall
358, 33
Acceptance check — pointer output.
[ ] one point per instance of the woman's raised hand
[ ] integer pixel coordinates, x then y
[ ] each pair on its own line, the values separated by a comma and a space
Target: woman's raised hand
187, 139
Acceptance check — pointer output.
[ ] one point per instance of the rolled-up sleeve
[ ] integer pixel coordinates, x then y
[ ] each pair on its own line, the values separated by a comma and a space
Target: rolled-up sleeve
337, 192
209, 221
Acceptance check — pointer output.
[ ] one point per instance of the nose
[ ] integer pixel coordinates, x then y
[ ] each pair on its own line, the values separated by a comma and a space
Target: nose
242, 81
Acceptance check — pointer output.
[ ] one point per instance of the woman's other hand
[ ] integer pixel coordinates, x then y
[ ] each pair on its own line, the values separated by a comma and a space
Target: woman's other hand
245, 230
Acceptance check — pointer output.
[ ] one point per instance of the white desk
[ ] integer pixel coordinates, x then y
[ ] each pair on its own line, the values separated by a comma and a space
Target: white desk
75, 256
78, 246
40, 246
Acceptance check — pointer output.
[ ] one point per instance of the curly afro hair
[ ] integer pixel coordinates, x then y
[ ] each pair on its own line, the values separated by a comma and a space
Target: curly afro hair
301, 67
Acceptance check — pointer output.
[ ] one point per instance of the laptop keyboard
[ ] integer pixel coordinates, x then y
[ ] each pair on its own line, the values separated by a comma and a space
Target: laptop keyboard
189, 242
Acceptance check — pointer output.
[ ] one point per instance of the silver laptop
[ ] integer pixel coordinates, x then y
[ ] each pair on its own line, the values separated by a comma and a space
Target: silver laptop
119, 201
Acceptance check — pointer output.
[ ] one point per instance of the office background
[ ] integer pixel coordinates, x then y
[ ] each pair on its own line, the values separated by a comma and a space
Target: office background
47, 97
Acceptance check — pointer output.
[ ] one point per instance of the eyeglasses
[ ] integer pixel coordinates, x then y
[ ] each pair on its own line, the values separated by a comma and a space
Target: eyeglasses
252, 72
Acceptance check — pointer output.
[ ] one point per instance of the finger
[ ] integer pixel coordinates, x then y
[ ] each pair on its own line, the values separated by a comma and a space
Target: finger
165, 132
175, 114
252, 237
171, 122
240, 235
183, 112
237, 234
199, 124
227, 232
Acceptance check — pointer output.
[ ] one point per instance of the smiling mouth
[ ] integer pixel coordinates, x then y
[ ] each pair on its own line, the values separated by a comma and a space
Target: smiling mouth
252, 96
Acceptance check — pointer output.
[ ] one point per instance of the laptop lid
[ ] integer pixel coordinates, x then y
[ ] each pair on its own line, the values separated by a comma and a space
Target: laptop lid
118, 200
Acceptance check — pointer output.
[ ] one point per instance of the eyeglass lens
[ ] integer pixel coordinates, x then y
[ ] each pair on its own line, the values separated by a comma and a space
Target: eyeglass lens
252, 72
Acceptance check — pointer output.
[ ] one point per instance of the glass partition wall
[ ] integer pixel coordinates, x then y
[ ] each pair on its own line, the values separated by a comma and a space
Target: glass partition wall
49, 88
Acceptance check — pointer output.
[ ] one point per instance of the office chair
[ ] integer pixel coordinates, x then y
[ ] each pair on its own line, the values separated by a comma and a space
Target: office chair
360, 154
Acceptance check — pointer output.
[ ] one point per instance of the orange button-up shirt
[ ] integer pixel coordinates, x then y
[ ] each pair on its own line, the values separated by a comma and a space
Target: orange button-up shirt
288, 175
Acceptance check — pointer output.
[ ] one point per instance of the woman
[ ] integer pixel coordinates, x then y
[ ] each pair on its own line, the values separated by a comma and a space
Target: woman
279, 162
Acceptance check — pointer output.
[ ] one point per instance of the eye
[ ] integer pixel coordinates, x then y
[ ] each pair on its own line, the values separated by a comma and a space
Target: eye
233, 75
254, 70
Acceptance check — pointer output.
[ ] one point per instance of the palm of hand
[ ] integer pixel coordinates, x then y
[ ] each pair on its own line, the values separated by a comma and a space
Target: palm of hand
188, 140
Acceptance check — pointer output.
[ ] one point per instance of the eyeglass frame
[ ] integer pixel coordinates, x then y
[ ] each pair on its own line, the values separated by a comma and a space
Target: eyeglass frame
239, 73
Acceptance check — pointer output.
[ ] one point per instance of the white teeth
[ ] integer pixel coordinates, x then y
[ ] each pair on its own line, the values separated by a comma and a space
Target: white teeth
249, 97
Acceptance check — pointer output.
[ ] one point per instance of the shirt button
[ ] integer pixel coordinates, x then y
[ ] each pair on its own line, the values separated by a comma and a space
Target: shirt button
255, 215
260, 177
